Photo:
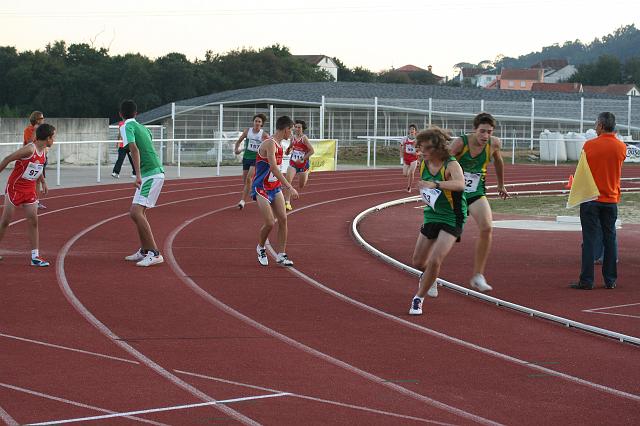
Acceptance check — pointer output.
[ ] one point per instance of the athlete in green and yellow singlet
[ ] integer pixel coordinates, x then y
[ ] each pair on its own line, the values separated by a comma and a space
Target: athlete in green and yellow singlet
474, 152
442, 189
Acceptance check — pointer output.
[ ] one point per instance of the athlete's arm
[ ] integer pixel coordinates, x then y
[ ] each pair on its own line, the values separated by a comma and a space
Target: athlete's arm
455, 177
402, 148
310, 150
265, 136
456, 146
498, 163
44, 188
240, 139
135, 155
24, 152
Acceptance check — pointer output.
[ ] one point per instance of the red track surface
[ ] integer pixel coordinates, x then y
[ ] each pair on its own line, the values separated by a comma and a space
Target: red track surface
212, 324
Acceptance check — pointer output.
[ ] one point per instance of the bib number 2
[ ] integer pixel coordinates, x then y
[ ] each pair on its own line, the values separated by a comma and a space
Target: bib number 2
471, 181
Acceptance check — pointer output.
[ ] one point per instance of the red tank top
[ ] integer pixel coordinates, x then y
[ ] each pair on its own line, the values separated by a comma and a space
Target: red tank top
298, 150
263, 170
409, 151
27, 171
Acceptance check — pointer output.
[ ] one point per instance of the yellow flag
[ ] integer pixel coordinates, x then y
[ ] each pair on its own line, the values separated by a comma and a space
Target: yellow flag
324, 156
584, 187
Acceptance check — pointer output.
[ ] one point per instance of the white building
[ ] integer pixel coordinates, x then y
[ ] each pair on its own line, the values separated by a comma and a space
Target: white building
323, 62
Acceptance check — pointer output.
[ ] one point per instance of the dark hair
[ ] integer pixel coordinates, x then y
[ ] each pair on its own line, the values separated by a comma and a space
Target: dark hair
261, 116
414, 126
302, 123
128, 109
44, 131
439, 138
33, 117
607, 120
484, 118
284, 122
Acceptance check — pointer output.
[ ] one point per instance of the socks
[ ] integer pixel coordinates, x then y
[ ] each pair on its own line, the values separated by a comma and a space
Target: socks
418, 297
35, 253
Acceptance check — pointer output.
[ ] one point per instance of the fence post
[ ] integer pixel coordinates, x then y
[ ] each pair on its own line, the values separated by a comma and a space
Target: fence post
481, 105
58, 167
430, 109
271, 119
161, 142
375, 128
513, 151
99, 159
322, 106
173, 131
220, 129
582, 115
533, 109
629, 118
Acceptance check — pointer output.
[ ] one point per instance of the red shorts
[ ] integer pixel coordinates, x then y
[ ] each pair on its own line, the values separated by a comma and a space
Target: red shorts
18, 198
409, 160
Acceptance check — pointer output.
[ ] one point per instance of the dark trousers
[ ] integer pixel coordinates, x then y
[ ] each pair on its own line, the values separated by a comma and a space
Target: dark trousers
122, 152
594, 217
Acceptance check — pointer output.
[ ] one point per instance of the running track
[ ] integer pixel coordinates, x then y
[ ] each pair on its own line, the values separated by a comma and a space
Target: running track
328, 342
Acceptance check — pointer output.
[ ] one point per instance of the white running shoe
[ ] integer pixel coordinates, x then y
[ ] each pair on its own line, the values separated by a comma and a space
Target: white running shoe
262, 256
479, 283
433, 290
150, 259
135, 257
416, 306
284, 260
115, 175
241, 204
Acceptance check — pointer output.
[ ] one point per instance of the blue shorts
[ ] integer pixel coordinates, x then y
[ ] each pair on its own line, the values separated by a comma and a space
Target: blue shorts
302, 169
269, 194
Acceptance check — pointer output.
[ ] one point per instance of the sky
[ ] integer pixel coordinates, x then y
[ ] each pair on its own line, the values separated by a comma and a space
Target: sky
376, 35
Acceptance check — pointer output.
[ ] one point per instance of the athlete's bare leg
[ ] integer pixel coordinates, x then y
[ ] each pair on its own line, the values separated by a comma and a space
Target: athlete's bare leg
436, 255
480, 210
31, 216
280, 214
138, 214
267, 216
303, 178
7, 214
291, 173
411, 174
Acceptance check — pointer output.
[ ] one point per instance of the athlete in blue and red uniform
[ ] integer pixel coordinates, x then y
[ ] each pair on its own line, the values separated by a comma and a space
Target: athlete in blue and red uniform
266, 189
301, 150
22, 183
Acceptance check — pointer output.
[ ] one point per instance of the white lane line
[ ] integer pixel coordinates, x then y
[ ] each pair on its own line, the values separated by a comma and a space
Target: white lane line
51, 345
75, 302
75, 403
446, 337
10, 421
610, 307
168, 249
162, 409
312, 398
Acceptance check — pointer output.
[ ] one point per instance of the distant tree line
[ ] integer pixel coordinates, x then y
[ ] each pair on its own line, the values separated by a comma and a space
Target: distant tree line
78, 80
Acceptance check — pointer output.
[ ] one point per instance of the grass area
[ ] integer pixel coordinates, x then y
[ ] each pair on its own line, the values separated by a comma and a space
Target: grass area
628, 208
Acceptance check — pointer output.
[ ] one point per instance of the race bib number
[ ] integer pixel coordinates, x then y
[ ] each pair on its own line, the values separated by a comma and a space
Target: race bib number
297, 156
33, 171
272, 177
471, 181
253, 145
633, 154
430, 196
409, 149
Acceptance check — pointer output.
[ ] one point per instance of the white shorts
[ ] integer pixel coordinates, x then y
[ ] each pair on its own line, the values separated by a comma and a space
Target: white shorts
149, 191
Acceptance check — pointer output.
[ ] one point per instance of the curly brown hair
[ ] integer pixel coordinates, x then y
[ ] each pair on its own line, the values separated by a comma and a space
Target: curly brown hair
439, 140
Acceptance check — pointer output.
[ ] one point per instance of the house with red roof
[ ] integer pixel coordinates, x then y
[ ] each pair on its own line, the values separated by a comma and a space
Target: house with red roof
519, 78
614, 89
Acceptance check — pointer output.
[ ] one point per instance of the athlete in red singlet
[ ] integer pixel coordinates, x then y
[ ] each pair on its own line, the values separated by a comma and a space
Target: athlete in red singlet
267, 191
409, 155
301, 150
22, 183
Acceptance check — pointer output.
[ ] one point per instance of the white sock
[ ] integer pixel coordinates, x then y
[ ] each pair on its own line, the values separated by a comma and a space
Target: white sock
35, 253
421, 298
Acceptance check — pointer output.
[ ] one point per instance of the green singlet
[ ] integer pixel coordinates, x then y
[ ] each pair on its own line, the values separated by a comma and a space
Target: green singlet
474, 168
449, 207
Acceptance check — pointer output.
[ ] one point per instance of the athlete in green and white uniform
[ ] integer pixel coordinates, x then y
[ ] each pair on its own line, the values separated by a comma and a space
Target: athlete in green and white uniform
442, 189
149, 181
474, 152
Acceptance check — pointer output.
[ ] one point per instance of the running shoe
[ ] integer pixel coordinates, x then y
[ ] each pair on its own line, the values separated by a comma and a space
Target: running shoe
241, 204
262, 256
115, 175
288, 207
284, 260
38, 261
41, 206
433, 290
479, 283
135, 257
151, 259
416, 306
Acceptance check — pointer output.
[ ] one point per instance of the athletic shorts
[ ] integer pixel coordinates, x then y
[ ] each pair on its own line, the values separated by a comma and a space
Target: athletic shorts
432, 229
302, 169
408, 161
269, 194
246, 163
472, 200
148, 193
18, 198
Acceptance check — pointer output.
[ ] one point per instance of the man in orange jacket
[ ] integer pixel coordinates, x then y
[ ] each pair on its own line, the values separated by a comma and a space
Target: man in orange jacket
605, 155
